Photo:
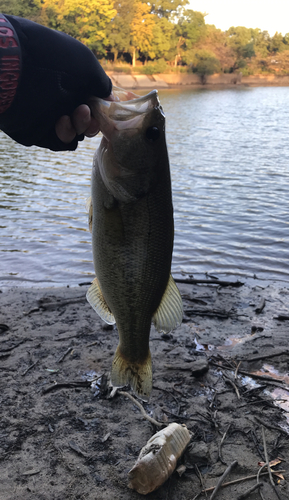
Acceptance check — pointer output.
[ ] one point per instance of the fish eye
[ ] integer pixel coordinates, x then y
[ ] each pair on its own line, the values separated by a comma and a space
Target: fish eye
152, 134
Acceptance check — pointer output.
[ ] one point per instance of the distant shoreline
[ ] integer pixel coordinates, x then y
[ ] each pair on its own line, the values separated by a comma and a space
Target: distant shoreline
185, 80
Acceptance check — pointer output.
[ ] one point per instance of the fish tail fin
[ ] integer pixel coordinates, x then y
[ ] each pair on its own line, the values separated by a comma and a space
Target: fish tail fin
138, 375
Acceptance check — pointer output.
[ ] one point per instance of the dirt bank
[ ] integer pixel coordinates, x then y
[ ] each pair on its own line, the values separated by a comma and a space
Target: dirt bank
60, 439
175, 80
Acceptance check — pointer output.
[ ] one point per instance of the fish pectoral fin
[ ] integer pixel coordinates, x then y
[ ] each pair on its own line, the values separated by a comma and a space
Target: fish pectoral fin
137, 374
88, 206
98, 303
169, 314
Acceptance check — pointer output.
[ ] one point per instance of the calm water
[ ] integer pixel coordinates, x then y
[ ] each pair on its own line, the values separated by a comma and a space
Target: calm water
229, 154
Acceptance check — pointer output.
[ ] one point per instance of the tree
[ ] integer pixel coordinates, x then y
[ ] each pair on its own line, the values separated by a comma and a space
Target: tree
141, 30
86, 21
30, 9
189, 30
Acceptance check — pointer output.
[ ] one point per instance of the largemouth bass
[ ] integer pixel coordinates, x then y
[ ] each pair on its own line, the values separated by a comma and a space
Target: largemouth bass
131, 220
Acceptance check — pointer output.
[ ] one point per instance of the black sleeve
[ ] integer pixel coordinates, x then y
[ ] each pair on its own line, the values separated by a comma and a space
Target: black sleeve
55, 74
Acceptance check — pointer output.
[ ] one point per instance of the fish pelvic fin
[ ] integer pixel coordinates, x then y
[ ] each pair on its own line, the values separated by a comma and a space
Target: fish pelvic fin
138, 375
169, 314
98, 303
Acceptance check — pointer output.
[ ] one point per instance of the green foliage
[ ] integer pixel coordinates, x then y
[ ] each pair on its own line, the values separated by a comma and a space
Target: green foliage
23, 8
165, 32
153, 69
204, 63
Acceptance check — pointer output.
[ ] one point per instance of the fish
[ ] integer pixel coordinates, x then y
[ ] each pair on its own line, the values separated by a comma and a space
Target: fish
158, 458
131, 220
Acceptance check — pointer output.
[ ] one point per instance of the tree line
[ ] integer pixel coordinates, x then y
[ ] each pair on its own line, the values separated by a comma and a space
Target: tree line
162, 35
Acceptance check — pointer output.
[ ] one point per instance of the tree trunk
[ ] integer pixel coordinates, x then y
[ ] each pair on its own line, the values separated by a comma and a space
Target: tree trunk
115, 54
133, 57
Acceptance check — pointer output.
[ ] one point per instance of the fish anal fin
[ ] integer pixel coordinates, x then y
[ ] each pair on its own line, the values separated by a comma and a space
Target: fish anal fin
98, 303
137, 374
169, 314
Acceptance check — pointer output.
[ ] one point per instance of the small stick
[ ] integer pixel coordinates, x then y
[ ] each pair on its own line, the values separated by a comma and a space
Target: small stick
236, 372
236, 481
193, 281
65, 354
261, 306
269, 426
266, 356
266, 456
93, 343
268, 464
29, 368
222, 478
145, 415
258, 475
200, 476
227, 379
220, 446
248, 492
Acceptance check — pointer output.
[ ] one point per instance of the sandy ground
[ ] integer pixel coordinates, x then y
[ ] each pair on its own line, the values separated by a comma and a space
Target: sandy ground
62, 439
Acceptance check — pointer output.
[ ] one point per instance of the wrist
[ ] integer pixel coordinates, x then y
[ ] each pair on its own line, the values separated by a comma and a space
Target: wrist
10, 63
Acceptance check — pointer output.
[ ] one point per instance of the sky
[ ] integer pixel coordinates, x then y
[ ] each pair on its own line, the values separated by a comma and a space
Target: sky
270, 15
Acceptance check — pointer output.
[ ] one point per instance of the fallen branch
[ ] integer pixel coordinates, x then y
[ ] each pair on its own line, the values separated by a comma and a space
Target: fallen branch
260, 307
269, 426
193, 281
222, 478
240, 480
29, 368
248, 492
143, 412
282, 317
221, 442
268, 464
64, 355
70, 385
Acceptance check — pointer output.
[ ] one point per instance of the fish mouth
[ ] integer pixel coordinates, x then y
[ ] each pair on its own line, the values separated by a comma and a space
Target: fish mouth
114, 116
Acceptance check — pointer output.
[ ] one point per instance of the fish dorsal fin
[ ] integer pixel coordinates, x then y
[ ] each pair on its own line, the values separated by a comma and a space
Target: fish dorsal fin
169, 314
98, 303
88, 206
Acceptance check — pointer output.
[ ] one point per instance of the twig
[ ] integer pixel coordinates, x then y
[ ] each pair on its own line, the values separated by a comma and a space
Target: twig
261, 306
236, 372
266, 356
145, 415
268, 464
236, 481
248, 492
258, 476
65, 354
227, 379
269, 426
29, 368
222, 478
61, 385
193, 281
220, 446
282, 317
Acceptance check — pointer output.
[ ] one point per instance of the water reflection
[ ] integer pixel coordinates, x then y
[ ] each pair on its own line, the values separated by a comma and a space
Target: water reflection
229, 157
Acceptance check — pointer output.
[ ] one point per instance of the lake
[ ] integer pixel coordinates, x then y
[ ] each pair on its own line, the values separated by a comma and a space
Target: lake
229, 156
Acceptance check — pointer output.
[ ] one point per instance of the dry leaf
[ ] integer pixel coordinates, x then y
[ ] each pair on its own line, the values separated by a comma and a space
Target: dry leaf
272, 463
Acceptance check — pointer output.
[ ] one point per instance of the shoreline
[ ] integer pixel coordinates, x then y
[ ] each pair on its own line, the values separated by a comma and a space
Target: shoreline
63, 437
185, 80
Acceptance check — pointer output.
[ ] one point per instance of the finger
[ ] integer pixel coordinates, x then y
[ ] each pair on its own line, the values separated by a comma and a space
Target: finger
93, 128
81, 118
65, 130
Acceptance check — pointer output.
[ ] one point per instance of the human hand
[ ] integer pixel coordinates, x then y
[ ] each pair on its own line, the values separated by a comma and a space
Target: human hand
58, 76
80, 122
